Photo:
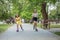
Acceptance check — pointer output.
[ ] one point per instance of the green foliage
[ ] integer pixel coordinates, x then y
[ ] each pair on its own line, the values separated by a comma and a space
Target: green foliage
55, 14
52, 14
3, 27
55, 26
57, 33
51, 25
26, 15
23, 7
4, 9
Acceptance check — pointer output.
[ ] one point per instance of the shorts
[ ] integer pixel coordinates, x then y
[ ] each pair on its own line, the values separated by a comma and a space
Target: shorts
34, 18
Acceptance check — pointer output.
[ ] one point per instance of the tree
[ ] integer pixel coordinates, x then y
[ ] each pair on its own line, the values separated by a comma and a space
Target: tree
43, 4
4, 9
58, 10
53, 14
26, 5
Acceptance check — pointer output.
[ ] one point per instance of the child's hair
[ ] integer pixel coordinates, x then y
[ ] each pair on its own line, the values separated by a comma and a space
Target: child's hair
16, 15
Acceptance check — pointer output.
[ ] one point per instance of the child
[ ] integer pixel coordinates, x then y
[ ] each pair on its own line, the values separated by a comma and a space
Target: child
18, 22
35, 19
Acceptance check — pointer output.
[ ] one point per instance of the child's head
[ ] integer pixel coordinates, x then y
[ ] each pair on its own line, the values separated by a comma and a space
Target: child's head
35, 10
16, 15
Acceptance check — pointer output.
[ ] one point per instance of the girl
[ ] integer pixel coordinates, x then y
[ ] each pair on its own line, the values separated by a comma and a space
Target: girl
18, 22
35, 17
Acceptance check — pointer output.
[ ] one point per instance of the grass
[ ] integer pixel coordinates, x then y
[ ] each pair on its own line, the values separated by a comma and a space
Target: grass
57, 33
55, 26
51, 26
3, 27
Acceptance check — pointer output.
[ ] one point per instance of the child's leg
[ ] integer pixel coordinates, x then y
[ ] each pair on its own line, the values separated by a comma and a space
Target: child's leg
21, 27
35, 24
17, 28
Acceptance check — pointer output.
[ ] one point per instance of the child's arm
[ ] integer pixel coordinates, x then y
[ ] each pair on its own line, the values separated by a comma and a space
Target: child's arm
21, 19
15, 20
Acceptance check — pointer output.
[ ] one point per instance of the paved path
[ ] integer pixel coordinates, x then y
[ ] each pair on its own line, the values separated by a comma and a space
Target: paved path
27, 34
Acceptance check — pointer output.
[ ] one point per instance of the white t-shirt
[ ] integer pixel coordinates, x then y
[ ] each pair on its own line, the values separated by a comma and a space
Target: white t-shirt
35, 14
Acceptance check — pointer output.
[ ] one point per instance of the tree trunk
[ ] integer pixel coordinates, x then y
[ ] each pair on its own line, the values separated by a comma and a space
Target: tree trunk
44, 14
